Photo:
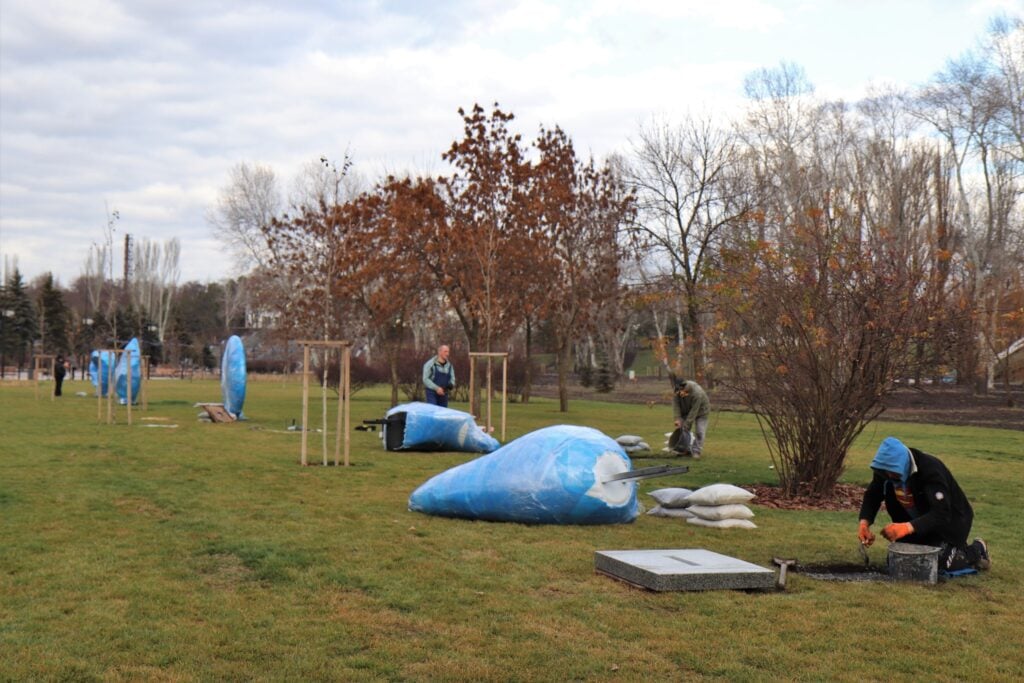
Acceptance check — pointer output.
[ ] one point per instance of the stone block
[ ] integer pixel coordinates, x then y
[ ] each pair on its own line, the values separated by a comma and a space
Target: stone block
689, 569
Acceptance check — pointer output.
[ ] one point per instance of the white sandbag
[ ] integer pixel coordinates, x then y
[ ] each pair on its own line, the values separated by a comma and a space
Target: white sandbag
628, 440
719, 494
717, 512
722, 523
671, 497
660, 511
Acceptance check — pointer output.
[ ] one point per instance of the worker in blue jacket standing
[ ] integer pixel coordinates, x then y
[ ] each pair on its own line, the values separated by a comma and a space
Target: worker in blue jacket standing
439, 377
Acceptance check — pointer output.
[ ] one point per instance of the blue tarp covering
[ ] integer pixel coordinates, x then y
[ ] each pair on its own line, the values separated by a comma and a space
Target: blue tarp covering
99, 370
232, 376
554, 475
121, 373
433, 428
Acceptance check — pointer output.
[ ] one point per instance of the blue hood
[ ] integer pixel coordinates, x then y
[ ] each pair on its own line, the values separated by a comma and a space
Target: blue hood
893, 456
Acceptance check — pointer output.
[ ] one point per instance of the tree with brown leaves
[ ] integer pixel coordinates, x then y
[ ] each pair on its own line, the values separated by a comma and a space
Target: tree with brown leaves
582, 210
381, 271
475, 256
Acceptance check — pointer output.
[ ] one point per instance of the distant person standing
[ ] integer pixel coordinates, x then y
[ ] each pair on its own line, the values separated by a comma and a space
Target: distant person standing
439, 377
60, 369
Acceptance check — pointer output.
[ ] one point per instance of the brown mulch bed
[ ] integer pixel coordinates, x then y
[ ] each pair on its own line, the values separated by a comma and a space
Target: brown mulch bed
844, 497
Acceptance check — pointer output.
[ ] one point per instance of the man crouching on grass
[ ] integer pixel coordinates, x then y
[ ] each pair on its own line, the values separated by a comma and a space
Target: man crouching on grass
925, 503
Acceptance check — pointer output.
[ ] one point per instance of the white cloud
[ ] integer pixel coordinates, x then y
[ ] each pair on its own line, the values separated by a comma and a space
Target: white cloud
146, 105
990, 8
526, 15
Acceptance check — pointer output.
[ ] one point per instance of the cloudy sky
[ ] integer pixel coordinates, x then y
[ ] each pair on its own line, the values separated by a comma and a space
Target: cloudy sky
143, 106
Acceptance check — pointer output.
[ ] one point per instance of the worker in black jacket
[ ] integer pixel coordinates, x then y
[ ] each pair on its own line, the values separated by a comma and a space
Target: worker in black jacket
925, 503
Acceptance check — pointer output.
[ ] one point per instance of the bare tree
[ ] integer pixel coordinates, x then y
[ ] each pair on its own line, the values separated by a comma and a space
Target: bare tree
98, 275
321, 182
975, 107
247, 205
155, 281
686, 197
301, 280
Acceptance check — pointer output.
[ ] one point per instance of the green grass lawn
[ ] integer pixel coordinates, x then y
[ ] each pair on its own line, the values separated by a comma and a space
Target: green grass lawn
205, 552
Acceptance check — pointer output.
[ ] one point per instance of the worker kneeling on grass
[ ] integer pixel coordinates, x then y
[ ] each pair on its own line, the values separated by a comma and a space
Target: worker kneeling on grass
925, 503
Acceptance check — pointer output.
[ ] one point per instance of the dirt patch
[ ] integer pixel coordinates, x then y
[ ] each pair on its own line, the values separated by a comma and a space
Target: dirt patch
843, 497
844, 572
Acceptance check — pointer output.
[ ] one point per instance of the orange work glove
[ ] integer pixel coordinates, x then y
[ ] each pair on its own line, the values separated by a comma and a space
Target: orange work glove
898, 530
864, 533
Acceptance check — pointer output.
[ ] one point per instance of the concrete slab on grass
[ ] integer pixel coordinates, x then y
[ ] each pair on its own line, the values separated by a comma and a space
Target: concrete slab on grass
688, 569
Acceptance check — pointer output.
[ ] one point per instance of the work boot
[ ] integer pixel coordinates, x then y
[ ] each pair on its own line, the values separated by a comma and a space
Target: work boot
984, 561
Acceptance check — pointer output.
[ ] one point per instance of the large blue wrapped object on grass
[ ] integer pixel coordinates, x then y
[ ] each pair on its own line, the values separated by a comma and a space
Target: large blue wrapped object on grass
425, 427
99, 370
555, 475
122, 370
232, 376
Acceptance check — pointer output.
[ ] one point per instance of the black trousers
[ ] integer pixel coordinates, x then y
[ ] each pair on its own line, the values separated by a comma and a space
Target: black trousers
951, 557
956, 553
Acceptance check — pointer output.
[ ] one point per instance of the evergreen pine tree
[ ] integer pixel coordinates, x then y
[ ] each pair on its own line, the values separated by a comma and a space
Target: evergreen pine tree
604, 377
19, 329
53, 317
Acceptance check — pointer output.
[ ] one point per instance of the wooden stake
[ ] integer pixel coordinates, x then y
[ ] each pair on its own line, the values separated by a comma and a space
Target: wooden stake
344, 395
504, 394
305, 399
110, 387
37, 365
348, 400
128, 382
323, 403
490, 395
473, 355
143, 376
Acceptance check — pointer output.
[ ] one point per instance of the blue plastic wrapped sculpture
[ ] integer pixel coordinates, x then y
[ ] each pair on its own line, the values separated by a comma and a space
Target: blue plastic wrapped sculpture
99, 371
122, 370
425, 427
555, 475
232, 376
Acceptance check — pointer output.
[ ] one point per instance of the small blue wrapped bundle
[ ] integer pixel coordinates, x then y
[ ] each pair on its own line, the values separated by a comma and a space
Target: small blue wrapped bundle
434, 428
555, 475
232, 376
122, 370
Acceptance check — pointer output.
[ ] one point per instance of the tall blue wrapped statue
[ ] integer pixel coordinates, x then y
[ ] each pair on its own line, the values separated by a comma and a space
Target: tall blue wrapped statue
555, 475
122, 370
99, 370
232, 376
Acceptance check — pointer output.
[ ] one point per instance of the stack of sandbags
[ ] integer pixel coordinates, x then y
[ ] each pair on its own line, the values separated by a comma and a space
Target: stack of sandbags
720, 506
632, 444
671, 503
